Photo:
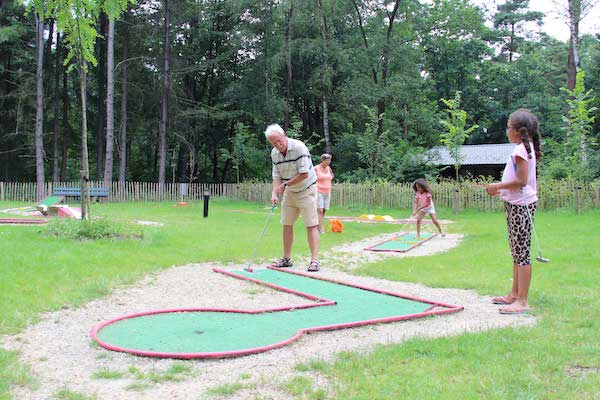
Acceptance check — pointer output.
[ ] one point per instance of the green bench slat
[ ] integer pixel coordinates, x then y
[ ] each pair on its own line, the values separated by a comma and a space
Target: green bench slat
75, 191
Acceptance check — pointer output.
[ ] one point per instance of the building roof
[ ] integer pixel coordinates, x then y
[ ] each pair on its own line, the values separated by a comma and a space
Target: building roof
475, 154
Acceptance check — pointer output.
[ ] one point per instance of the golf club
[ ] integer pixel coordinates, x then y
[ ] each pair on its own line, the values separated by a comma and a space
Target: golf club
249, 267
540, 258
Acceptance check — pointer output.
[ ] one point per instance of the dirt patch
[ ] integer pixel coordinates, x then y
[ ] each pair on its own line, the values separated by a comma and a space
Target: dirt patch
149, 223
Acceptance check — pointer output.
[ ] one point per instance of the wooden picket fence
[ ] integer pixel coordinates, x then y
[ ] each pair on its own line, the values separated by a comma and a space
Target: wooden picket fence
553, 194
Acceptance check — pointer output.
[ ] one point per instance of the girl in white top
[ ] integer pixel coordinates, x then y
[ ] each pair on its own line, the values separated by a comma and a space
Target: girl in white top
518, 189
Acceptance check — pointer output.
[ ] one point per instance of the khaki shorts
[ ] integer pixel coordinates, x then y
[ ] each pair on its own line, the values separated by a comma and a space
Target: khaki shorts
301, 203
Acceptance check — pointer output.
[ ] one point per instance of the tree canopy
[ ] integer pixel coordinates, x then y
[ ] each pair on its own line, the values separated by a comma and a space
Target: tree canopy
364, 80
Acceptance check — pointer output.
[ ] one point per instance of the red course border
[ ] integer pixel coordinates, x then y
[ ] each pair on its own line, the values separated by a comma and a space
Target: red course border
320, 302
371, 248
23, 221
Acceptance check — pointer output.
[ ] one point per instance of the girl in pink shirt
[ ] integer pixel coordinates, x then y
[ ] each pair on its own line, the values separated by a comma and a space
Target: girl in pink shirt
424, 205
519, 190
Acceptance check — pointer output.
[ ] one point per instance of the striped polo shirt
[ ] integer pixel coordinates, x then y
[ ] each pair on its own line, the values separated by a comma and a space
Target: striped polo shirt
296, 161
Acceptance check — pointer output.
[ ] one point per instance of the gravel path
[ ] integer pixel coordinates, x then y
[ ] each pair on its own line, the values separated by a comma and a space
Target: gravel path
62, 356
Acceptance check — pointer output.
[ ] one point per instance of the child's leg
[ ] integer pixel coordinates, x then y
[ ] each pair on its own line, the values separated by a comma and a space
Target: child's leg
435, 221
420, 216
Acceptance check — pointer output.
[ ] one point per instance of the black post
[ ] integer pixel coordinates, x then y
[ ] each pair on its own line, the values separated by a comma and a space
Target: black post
206, 197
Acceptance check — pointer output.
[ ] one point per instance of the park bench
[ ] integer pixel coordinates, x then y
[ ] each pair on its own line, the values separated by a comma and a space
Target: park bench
95, 192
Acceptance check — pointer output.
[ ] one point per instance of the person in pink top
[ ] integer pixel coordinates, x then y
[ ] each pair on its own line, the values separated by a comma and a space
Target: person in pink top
324, 178
424, 205
518, 189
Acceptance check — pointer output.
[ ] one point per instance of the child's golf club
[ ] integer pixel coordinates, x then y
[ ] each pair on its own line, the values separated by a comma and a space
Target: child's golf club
249, 267
540, 258
409, 220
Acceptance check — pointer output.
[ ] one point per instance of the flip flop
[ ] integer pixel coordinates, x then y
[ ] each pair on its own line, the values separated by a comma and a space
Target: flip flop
502, 300
513, 311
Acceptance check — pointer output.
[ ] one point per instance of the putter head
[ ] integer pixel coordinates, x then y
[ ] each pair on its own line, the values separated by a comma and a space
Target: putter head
542, 259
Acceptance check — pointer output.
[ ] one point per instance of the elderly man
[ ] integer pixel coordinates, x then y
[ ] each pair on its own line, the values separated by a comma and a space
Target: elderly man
294, 181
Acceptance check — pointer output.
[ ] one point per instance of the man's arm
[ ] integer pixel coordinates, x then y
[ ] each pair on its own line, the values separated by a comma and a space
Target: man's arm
279, 185
275, 193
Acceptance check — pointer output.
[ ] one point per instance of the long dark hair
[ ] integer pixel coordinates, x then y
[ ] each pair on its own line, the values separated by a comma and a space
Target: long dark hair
528, 126
423, 183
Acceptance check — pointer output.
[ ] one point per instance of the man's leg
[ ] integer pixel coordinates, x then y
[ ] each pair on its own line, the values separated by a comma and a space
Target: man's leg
288, 240
312, 233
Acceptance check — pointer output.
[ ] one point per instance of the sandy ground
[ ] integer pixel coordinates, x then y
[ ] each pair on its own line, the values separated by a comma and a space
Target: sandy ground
61, 354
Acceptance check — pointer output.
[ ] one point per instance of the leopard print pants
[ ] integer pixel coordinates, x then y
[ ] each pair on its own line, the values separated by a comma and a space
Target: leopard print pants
519, 232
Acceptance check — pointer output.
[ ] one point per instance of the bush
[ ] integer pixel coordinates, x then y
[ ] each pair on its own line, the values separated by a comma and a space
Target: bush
91, 230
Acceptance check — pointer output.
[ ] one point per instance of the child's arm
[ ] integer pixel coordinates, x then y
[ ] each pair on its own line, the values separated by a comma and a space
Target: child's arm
522, 172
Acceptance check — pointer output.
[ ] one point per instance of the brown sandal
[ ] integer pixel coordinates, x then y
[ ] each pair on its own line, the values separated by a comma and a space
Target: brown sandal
314, 266
282, 263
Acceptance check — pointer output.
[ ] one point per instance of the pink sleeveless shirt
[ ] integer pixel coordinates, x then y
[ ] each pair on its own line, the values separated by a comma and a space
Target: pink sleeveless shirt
324, 179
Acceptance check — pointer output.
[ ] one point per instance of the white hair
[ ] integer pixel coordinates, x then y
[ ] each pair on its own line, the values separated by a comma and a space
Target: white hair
272, 129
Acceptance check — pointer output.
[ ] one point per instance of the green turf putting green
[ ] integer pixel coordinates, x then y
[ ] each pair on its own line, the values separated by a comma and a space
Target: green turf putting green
402, 243
215, 333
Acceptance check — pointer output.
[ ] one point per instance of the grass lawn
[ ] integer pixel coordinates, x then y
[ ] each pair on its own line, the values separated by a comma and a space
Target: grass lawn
558, 358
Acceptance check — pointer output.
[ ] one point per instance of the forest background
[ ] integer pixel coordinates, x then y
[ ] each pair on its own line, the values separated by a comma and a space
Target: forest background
181, 90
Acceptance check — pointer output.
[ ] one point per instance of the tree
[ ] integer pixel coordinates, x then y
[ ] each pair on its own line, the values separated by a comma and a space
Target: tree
40, 8
113, 9
372, 143
510, 18
578, 126
55, 102
576, 10
123, 122
166, 89
76, 19
456, 130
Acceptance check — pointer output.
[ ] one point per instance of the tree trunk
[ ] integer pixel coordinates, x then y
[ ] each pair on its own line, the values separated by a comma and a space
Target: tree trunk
573, 61
85, 168
56, 133
110, 117
324, 78
381, 105
100, 115
405, 121
123, 126
164, 108
66, 129
326, 121
39, 110
288, 61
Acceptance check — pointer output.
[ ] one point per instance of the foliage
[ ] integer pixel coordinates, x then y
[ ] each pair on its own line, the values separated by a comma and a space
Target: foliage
456, 129
254, 63
371, 143
91, 229
578, 126
76, 18
245, 150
